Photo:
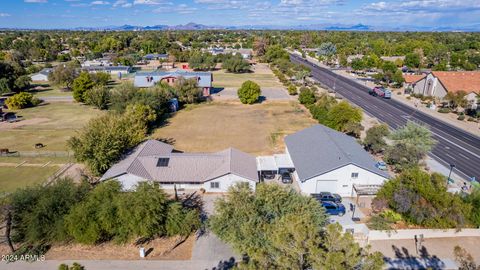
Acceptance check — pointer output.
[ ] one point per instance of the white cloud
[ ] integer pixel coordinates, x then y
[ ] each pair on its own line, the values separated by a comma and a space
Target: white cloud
147, 2
122, 3
4, 15
99, 3
35, 1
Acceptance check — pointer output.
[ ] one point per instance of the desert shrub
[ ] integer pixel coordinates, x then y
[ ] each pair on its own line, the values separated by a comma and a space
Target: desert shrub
98, 96
444, 110
292, 90
249, 92
108, 213
422, 199
461, 117
22, 100
38, 212
306, 96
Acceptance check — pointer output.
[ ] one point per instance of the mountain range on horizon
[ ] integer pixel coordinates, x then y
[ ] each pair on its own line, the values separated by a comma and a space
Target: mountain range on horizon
327, 27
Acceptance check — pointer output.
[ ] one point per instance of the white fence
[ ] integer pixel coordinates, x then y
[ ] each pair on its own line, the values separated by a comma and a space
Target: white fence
427, 233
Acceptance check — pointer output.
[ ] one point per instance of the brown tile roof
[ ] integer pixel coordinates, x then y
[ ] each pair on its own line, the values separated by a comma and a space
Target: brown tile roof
454, 81
413, 78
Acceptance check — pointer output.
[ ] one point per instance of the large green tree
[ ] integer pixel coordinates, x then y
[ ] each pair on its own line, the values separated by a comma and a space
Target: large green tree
81, 85
277, 228
104, 139
187, 90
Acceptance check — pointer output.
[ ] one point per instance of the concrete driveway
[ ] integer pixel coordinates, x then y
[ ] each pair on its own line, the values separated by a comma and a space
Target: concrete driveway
267, 93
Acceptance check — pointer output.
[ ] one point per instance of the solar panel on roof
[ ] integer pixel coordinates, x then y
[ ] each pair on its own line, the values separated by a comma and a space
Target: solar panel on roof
163, 162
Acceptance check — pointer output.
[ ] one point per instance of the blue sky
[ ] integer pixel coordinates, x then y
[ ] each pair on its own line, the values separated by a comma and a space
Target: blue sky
90, 13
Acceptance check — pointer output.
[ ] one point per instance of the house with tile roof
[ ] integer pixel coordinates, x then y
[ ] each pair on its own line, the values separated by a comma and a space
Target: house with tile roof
439, 83
157, 161
326, 160
149, 79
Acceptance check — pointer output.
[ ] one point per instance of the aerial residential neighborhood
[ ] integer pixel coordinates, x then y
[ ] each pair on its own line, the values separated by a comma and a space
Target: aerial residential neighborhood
263, 135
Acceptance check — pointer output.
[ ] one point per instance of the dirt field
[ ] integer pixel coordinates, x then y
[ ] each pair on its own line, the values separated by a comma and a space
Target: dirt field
156, 250
50, 124
261, 74
256, 129
110, 251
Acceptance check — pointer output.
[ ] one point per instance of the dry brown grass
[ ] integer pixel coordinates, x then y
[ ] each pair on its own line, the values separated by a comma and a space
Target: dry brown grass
258, 129
111, 251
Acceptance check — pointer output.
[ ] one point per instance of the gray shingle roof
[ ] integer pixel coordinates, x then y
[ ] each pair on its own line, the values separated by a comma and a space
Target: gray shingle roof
183, 167
204, 78
318, 149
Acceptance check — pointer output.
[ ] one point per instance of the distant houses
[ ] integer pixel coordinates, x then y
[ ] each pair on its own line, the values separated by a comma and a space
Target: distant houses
246, 53
439, 83
149, 79
108, 69
155, 56
42, 75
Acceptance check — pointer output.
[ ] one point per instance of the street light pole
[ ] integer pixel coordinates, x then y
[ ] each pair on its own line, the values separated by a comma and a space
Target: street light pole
450, 173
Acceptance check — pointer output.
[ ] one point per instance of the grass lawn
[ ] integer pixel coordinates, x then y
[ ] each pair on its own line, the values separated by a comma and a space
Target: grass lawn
12, 178
262, 75
257, 129
47, 90
50, 124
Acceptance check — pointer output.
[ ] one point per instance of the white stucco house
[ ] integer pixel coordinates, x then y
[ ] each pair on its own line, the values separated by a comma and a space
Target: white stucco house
439, 83
326, 160
157, 161
41, 76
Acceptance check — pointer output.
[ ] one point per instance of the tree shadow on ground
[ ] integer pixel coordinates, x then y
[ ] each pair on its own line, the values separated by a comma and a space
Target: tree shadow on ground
404, 260
226, 264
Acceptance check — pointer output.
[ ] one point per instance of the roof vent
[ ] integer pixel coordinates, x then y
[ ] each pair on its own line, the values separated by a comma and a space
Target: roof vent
163, 162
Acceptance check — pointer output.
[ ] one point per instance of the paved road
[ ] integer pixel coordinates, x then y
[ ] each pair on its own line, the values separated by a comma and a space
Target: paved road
454, 146
58, 99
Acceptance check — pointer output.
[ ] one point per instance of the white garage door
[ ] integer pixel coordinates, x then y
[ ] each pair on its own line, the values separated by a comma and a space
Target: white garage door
326, 186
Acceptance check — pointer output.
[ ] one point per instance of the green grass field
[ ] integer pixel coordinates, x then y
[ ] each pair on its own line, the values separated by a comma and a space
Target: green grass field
12, 178
261, 75
47, 90
50, 124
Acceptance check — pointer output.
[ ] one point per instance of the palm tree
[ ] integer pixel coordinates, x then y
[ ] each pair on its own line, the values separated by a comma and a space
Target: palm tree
302, 74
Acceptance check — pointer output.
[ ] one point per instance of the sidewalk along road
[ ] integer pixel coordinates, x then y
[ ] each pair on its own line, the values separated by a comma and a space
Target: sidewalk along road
454, 146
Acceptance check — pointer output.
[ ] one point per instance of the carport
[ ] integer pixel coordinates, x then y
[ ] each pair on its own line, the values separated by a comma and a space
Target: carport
269, 166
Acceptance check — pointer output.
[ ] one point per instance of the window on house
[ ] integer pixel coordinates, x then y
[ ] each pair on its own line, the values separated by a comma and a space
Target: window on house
215, 185
354, 174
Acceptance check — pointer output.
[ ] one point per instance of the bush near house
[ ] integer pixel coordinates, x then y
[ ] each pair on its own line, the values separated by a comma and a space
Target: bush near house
249, 92
422, 199
66, 212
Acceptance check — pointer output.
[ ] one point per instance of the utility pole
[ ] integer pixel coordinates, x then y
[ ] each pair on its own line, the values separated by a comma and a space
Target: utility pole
450, 173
